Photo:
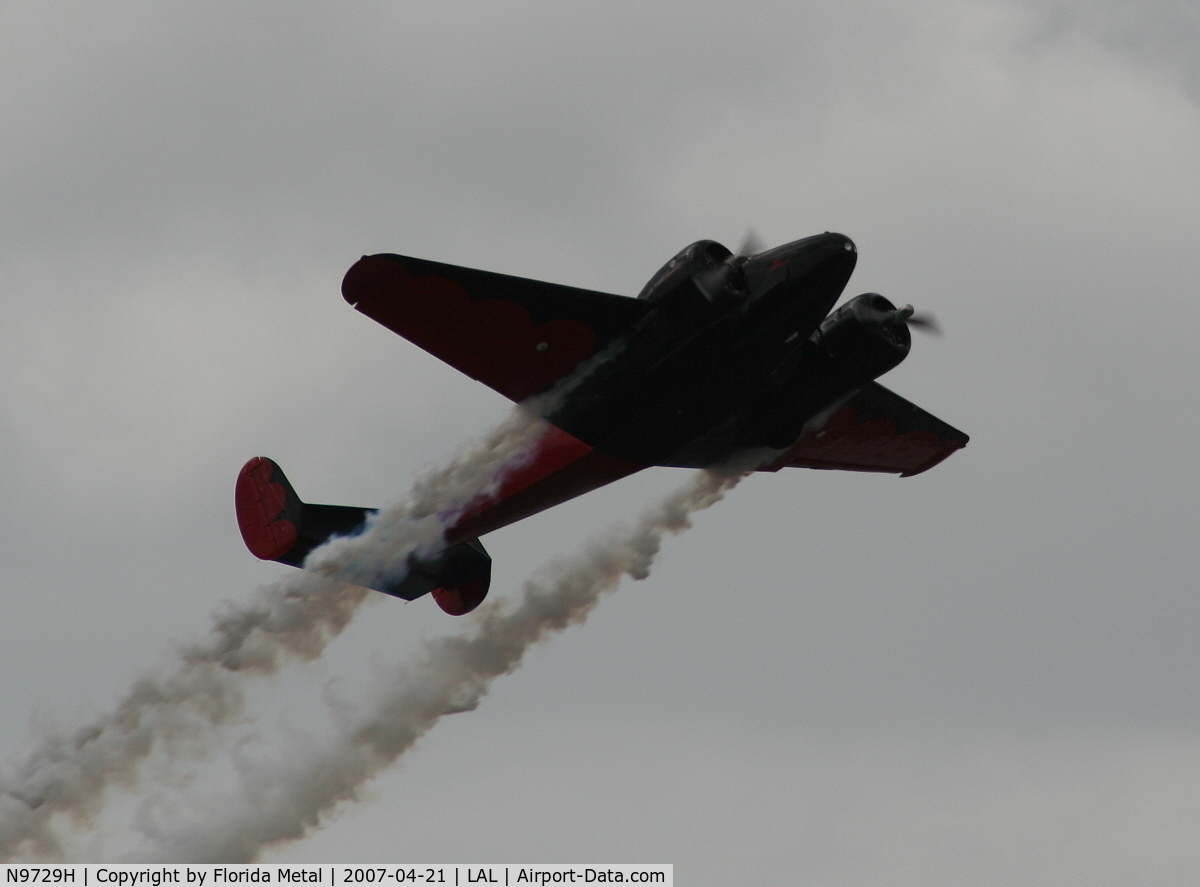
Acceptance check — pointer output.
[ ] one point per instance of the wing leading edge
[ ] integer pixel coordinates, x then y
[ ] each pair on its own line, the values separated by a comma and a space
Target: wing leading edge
515, 335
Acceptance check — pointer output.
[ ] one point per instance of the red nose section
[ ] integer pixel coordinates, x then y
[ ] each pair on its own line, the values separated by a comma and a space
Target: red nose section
462, 598
268, 509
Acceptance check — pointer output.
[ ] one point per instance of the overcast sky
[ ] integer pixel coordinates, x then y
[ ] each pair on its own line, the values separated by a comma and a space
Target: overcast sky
988, 674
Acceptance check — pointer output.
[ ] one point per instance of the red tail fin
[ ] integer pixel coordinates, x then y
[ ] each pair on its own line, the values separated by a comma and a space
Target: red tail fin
268, 509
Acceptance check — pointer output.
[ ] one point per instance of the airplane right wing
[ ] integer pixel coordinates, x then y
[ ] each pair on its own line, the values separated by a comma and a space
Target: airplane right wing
874, 430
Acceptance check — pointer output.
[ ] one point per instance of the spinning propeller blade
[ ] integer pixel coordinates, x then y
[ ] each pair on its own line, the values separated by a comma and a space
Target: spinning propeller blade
924, 321
713, 280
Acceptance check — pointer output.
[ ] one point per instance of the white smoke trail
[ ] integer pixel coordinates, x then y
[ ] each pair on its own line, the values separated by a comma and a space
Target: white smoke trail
67, 772
437, 499
452, 674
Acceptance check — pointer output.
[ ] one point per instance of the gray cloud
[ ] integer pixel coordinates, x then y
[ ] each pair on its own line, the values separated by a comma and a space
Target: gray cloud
184, 186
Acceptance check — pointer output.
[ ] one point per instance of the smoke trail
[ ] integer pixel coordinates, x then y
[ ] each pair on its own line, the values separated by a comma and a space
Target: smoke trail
282, 802
437, 499
67, 772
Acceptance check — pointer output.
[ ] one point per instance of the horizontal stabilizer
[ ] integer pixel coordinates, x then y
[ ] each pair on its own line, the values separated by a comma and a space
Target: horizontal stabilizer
278, 526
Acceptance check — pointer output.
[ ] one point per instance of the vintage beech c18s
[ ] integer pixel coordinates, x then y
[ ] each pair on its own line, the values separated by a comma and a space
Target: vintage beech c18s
719, 355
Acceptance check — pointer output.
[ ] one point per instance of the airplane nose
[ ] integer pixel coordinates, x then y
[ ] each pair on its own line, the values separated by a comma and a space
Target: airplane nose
822, 256
837, 254
828, 253
823, 266
839, 243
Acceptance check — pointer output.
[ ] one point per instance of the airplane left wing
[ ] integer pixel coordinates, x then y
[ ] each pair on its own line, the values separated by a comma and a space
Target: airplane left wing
874, 430
516, 336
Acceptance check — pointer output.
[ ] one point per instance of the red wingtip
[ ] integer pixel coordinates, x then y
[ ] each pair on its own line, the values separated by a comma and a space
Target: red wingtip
265, 502
463, 598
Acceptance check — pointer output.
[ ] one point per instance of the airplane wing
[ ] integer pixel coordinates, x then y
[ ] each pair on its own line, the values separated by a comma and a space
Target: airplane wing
874, 430
516, 336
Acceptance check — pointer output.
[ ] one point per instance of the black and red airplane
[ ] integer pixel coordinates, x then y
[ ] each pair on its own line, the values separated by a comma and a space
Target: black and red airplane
719, 355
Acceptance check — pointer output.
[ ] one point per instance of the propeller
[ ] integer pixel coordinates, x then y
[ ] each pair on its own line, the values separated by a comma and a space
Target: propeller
711, 281
925, 322
752, 245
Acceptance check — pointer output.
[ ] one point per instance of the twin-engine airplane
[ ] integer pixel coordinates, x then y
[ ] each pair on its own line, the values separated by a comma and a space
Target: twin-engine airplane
720, 355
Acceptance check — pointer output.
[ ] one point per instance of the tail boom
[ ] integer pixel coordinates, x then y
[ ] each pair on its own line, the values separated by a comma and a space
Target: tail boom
277, 525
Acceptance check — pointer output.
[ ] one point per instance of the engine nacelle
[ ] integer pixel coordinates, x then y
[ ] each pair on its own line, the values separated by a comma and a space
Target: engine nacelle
867, 332
699, 256
854, 345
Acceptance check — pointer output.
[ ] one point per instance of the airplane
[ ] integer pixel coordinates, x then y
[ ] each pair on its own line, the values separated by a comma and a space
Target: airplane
719, 356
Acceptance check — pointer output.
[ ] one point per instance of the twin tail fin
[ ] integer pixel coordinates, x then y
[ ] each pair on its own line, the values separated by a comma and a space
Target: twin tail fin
278, 526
